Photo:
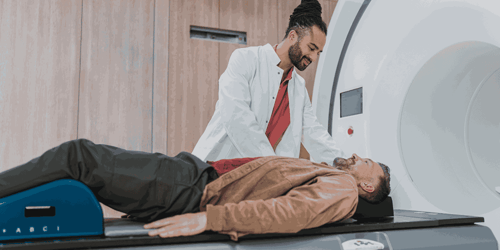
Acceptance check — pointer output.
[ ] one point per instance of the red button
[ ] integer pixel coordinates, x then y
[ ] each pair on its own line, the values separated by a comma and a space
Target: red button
350, 131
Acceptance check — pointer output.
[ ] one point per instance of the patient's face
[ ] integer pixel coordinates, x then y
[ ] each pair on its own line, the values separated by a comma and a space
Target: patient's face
360, 168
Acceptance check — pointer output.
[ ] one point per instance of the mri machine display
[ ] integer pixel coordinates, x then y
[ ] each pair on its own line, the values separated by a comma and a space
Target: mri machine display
416, 85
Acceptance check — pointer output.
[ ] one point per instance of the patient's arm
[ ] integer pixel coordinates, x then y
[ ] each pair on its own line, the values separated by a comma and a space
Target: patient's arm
179, 225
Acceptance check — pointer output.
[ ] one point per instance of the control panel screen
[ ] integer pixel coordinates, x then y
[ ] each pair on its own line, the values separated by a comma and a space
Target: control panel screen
351, 102
39, 211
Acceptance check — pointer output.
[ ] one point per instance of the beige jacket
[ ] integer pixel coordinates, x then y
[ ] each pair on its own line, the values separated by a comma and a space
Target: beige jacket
278, 195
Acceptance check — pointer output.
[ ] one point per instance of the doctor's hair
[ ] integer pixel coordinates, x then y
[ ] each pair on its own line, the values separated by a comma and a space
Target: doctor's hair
383, 188
304, 17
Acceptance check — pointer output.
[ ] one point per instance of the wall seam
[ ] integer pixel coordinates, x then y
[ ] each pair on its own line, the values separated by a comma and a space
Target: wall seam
218, 48
278, 20
79, 75
153, 80
168, 73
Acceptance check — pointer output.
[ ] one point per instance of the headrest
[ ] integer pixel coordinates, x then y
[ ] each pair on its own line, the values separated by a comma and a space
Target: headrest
367, 210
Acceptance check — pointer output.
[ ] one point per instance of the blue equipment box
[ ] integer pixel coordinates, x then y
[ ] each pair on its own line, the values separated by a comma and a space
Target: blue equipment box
61, 208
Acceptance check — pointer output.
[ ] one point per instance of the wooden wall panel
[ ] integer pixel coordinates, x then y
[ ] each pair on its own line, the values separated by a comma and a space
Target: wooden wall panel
256, 17
39, 67
332, 6
117, 74
160, 83
193, 73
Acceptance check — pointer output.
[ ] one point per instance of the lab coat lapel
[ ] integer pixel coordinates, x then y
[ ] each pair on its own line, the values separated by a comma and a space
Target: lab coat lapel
275, 74
291, 99
291, 135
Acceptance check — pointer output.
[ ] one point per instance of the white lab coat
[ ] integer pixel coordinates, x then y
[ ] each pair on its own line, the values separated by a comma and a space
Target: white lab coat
247, 92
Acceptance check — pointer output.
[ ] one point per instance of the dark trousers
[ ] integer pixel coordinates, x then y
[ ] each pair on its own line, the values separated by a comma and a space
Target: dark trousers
144, 185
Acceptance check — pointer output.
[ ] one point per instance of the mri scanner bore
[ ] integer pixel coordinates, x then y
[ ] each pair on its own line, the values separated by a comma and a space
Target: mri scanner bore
430, 78
449, 127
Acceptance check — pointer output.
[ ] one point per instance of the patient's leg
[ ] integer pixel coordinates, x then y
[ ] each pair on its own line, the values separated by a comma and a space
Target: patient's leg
137, 183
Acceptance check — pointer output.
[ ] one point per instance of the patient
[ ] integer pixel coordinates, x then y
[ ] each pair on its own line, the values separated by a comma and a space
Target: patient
186, 196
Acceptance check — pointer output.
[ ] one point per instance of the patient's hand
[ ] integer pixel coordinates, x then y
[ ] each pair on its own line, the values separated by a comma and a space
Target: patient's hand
179, 225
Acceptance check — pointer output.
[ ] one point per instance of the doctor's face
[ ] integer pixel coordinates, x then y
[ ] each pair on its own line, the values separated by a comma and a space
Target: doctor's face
307, 50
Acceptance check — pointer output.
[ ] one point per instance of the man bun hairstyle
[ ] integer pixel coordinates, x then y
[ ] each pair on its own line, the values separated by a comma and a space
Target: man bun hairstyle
304, 17
383, 189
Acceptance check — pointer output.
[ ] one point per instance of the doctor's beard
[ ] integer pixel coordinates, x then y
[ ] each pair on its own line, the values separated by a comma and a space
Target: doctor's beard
296, 57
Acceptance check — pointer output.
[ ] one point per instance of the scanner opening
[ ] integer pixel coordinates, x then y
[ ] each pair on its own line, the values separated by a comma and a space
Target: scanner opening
450, 128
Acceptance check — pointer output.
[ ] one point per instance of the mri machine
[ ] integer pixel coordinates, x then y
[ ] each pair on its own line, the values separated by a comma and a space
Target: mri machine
413, 84
416, 85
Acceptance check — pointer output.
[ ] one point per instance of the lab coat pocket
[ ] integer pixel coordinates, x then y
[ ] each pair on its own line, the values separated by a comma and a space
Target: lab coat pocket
217, 150
222, 149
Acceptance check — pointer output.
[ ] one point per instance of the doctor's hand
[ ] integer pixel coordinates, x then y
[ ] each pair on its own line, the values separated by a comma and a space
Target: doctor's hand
179, 225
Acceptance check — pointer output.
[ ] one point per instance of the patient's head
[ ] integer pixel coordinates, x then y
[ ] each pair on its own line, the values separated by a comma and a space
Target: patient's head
372, 178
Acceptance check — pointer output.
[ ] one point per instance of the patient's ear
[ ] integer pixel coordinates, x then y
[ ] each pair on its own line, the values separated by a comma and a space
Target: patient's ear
367, 187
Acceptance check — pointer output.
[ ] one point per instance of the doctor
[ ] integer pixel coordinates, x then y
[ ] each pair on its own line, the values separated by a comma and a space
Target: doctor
263, 107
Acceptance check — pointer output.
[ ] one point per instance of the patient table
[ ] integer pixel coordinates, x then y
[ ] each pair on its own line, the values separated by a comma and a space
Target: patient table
65, 215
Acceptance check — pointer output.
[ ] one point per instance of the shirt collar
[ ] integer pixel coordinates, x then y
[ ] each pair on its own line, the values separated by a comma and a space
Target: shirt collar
289, 76
273, 57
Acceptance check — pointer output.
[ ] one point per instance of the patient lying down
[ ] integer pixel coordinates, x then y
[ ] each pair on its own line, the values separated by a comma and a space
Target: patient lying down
182, 195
